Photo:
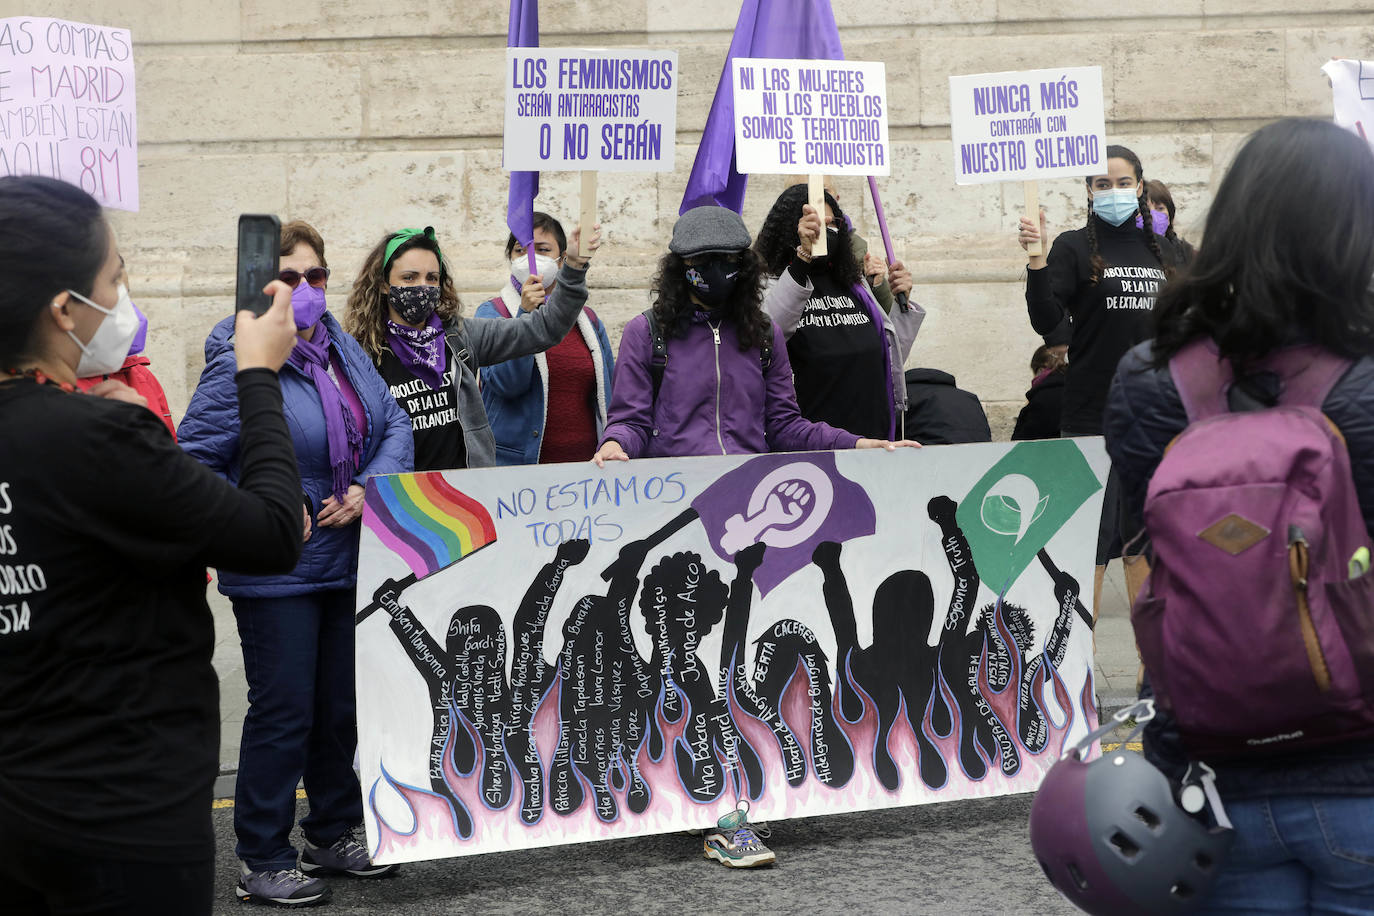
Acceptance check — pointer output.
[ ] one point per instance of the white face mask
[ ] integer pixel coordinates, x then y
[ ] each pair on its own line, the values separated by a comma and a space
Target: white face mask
545, 266
109, 345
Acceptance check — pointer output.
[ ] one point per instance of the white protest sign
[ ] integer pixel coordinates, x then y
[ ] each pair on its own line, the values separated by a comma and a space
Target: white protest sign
818, 117
590, 110
1019, 126
1352, 95
67, 106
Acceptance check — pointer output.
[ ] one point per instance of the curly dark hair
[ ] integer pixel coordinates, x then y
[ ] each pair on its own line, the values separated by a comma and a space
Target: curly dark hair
777, 240
365, 319
1301, 272
673, 305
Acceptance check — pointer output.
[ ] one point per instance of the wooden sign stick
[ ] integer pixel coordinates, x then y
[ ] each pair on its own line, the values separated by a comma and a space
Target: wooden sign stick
815, 187
1032, 188
587, 215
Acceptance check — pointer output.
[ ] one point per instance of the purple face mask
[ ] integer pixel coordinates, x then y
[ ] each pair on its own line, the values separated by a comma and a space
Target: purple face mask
307, 302
141, 335
1159, 221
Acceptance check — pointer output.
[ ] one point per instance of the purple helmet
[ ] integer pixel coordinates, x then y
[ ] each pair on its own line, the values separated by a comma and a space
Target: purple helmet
1112, 839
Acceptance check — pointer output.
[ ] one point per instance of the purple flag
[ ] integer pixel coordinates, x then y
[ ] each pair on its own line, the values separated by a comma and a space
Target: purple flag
789, 502
524, 186
802, 29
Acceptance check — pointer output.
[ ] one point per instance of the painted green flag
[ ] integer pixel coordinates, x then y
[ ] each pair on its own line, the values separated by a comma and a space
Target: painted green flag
1021, 503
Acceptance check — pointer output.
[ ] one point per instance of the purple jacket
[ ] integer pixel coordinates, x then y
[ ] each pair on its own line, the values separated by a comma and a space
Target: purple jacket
715, 399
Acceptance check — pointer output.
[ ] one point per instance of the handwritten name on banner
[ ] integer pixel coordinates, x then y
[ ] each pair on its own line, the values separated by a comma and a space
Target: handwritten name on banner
1018, 126
590, 110
821, 117
67, 106
1352, 95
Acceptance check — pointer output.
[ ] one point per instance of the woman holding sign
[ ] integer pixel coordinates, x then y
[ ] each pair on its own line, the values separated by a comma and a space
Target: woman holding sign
846, 352
1105, 276
109, 726
406, 314
570, 382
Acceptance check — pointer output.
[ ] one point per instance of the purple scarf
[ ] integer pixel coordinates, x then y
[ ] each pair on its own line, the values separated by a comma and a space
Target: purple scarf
311, 357
421, 350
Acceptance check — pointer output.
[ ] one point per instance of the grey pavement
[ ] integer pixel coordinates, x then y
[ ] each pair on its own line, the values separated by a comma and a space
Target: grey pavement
967, 857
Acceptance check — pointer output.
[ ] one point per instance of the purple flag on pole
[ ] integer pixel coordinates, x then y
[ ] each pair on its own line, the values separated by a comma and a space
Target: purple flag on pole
789, 502
524, 186
802, 29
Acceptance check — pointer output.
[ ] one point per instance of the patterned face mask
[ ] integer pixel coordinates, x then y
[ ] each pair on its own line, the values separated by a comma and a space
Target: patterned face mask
414, 303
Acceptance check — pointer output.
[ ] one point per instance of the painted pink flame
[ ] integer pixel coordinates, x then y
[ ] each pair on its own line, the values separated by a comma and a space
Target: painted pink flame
671, 808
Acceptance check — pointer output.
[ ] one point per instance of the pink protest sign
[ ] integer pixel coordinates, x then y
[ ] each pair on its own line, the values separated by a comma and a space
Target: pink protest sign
67, 106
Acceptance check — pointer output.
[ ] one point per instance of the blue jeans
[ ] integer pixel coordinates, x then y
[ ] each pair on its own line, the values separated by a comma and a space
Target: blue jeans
1298, 854
298, 660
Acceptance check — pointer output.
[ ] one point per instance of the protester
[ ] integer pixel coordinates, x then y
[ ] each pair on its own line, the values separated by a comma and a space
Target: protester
874, 267
109, 727
571, 381
1162, 205
1039, 419
1104, 276
846, 353
708, 312
939, 412
297, 628
1300, 275
405, 312
132, 380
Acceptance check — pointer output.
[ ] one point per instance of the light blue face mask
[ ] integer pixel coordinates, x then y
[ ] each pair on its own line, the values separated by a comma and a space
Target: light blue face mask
1116, 205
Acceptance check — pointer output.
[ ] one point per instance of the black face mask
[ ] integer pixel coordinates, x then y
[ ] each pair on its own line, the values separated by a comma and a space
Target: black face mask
414, 303
713, 280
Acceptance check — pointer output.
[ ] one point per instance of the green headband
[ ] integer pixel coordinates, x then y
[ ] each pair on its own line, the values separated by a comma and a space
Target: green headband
405, 235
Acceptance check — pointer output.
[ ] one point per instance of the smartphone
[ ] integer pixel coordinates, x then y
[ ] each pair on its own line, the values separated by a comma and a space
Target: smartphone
259, 255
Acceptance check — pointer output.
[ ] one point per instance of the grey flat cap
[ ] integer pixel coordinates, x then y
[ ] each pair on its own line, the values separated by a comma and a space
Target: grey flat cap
709, 230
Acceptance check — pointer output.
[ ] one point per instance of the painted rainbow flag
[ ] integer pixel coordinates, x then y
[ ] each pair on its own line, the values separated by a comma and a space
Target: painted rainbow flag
425, 521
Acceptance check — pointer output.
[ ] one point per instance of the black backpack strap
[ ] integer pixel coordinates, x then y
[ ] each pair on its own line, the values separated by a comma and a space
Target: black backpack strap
658, 352
766, 348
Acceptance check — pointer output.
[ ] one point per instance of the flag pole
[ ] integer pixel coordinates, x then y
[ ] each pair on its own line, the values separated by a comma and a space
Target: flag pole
901, 298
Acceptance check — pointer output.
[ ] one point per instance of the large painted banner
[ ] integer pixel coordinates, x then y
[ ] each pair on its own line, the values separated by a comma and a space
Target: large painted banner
556, 653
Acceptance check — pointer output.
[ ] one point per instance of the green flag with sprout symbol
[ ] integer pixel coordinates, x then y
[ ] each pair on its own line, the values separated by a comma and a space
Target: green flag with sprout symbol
1019, 505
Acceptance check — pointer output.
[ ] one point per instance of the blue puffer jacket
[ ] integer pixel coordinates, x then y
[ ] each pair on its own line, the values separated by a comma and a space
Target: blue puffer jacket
1144, 413
210, 431
515, 392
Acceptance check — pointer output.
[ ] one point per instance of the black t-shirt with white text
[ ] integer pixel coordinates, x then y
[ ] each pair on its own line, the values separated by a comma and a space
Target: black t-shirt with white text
1108, 318
839, 361
433, 414
109, 704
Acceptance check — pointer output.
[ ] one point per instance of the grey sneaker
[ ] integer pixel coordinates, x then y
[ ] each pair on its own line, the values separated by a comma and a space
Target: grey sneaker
734, 843
283, 887
344, 856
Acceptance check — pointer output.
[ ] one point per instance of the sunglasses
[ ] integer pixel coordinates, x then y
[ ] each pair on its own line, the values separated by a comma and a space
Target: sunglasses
315, 276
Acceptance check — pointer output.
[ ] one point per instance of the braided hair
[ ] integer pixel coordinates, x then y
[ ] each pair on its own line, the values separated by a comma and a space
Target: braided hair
1143, 210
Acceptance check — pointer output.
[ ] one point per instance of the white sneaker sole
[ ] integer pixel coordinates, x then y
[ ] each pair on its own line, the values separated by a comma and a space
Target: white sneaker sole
312, 900
749, 861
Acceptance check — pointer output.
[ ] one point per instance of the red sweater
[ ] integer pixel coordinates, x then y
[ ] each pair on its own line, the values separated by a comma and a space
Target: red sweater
570, 427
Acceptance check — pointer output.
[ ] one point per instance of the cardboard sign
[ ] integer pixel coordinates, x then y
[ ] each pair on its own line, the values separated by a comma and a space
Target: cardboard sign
1018, 126
1352, 95
67, 106
556, 653
815, 117
590, 110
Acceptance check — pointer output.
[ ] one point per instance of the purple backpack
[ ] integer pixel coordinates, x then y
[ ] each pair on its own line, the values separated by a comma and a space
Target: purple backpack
1257, 622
